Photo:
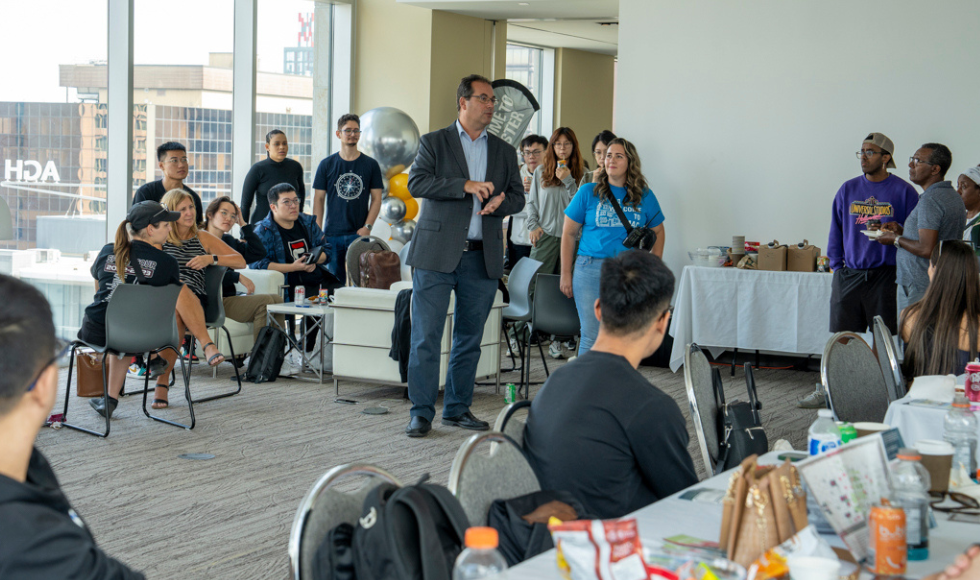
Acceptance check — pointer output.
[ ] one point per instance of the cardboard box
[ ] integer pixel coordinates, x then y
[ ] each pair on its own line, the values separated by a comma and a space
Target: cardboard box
802, 257
772, 257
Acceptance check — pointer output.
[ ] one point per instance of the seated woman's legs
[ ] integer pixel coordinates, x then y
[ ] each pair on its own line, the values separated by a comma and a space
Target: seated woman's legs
252, 309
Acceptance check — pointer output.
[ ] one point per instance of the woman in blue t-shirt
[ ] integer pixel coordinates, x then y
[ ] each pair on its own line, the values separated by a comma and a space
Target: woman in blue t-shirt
603, 232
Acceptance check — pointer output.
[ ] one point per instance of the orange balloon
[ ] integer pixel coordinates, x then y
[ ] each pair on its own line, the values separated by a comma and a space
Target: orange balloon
398, 186
411, 208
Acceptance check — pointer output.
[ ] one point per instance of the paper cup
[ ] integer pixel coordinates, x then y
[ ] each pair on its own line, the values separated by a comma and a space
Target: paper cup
810, 568
870, 428
937, 458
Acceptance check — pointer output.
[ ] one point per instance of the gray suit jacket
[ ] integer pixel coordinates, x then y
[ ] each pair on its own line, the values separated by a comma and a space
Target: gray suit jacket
437, 176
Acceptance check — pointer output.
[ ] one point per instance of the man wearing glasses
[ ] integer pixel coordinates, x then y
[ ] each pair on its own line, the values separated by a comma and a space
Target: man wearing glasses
172, 158
347, 192
939, 216
469, 180
518, 236
864, 272
41, 536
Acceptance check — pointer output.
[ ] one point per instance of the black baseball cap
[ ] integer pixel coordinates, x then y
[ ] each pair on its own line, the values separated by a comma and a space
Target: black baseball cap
147, 213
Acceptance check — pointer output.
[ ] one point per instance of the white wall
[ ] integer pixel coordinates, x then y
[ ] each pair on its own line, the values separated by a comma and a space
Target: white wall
747, 114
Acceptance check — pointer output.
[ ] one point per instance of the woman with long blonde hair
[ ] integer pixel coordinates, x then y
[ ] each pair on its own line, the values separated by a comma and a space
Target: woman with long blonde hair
592, 214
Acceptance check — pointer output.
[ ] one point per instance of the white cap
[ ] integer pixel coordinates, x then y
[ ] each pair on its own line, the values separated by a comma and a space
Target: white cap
825, 413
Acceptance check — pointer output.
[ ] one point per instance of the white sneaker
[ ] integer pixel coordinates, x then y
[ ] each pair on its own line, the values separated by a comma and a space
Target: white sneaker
554, 349
569, 345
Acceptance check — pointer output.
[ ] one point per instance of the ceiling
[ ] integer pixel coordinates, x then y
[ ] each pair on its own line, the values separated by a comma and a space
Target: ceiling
552, 23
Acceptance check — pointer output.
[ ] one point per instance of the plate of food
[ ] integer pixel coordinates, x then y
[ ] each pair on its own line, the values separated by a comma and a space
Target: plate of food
872, 234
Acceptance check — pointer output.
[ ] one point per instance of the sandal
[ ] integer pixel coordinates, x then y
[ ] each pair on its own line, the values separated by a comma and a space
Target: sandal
160, 403
211, 359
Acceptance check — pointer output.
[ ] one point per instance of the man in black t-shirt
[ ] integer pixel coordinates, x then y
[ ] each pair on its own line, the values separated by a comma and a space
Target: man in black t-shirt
172, 158
597, 428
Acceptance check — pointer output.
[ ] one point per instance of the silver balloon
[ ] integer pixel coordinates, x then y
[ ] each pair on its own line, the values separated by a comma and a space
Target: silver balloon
403, 231
393, 211
390, 136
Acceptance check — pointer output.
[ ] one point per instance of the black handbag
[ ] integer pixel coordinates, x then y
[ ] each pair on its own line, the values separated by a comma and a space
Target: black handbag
642, 238
740, 424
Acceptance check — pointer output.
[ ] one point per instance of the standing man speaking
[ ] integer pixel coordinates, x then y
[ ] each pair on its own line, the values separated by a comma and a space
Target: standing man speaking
470, 181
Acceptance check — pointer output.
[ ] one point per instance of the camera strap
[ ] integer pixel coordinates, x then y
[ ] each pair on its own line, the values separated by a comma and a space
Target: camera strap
619, 212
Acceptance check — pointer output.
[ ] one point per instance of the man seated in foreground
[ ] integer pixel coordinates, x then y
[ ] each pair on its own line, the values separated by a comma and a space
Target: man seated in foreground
41, 536
597, 428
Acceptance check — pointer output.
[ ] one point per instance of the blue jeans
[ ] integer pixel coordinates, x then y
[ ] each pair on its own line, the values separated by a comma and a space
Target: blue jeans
337, 264
585, 287
430, 302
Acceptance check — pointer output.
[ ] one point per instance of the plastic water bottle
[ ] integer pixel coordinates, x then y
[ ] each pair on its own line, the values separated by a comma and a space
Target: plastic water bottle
910, 487
480, 559
960, 431
824, 434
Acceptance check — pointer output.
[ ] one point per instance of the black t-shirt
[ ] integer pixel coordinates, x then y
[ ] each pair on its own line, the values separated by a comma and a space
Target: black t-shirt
261, 177
154, 191
159, 268
348, 185
600, 431
296, 242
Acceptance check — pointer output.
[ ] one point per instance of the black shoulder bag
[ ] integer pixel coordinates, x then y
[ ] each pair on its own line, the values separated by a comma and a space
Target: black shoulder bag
642, 238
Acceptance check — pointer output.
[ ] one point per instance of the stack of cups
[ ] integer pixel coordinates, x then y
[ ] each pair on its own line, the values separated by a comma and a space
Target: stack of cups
738, 249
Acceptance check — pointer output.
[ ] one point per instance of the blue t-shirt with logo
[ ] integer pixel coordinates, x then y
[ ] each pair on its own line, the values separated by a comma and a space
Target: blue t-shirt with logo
602, 231
348, 185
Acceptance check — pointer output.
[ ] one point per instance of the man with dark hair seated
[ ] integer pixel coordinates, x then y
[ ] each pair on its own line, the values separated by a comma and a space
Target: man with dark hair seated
41, 536
597, 428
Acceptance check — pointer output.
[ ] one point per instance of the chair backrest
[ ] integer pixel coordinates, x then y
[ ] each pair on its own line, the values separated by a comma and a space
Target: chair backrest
852, 376
888, 360
324, 508
553, 312
354, 251
704, 405
519, 287
477, 479
214, 313
511, 421
142, 318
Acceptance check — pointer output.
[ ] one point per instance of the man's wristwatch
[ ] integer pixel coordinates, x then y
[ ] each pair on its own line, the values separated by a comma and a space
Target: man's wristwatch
369, 226
898, 245
214, 259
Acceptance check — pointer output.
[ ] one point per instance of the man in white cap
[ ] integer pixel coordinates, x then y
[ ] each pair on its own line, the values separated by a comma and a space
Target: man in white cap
968, 186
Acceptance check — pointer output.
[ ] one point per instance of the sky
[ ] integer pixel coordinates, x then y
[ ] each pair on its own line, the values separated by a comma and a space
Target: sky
41, 34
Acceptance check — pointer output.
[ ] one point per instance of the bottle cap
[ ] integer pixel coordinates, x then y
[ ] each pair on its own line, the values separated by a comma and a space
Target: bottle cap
481, 538
961, 402
909, 454
825, 413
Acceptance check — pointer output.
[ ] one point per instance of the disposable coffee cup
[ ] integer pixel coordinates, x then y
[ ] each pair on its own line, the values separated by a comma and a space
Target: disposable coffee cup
812, 568
937, 458
867, 428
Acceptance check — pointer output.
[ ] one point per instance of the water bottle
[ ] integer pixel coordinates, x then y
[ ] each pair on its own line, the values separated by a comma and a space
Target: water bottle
960, 431
824, 434
910, 491
480, 559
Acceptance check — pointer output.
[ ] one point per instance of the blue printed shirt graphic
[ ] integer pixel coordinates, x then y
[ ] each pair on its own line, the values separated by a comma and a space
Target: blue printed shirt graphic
602, 231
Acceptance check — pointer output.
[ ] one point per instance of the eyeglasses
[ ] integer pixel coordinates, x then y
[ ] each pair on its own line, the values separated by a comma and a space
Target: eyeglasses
965, 504
485, 99
176, 160
532, 152
291, 201
60, 348
598, 153
351, 131
917, 161
868, 153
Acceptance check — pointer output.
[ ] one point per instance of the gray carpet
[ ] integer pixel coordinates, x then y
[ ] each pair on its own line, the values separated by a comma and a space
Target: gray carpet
229, 517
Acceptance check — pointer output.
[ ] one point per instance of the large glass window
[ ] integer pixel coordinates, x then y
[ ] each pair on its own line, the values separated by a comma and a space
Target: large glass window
525, 64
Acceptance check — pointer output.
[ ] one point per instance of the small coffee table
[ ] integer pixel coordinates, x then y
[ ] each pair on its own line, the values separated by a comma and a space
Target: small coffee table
315, 313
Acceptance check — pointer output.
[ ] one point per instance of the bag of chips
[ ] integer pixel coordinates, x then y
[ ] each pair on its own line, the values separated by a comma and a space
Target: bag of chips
598, 550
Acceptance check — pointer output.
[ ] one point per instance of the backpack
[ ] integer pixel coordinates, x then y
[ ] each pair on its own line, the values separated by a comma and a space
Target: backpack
268, 354
519, 538
740, 425
334, 557
380, 269
409, 533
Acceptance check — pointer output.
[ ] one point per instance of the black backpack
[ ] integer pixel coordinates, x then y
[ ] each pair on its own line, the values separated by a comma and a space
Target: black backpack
520, 539
739, 423
409, 533
268, 354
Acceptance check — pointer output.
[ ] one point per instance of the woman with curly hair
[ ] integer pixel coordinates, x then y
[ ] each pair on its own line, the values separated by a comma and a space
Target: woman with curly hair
591, 213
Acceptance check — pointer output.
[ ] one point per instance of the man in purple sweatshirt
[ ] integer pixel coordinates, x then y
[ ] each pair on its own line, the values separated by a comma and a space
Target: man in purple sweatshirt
864, 272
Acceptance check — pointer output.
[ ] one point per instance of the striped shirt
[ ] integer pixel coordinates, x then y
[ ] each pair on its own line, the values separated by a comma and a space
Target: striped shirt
184, 253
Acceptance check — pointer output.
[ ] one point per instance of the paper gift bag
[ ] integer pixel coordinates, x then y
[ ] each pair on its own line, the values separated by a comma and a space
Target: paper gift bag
772, 257
802, 257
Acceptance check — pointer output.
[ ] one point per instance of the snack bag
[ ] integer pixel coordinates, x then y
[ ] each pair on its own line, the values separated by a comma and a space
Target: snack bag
599, 550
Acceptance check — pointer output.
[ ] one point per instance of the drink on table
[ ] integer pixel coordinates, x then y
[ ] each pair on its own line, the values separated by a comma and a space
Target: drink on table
910, 488
299, 295
847, 432
480, 559
960, 431
971, 386
887, 552
824, 434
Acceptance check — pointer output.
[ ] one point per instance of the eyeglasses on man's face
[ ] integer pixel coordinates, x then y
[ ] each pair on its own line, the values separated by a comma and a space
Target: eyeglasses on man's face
532, 152
289, 201
177, 161
485, 99
916, 161
867, 153
351, 131
60, 348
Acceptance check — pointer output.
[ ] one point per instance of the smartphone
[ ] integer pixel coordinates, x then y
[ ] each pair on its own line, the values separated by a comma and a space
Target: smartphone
793, 456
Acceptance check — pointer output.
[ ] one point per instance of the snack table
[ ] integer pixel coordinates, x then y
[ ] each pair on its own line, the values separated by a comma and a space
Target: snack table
672, 516
313, 319
726, 308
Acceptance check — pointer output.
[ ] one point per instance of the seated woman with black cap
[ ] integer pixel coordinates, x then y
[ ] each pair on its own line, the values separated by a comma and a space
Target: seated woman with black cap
137, 244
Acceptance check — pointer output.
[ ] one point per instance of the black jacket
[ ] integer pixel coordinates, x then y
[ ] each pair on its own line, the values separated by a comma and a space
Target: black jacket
42, 537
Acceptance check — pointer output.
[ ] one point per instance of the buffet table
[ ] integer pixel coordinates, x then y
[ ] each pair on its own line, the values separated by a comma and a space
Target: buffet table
726, 308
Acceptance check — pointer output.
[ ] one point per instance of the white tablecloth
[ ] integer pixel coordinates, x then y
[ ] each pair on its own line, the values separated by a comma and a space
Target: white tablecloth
726, 308
672, 516
917, 422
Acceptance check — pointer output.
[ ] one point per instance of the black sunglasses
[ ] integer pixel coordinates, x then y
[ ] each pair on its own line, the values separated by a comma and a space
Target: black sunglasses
60, 348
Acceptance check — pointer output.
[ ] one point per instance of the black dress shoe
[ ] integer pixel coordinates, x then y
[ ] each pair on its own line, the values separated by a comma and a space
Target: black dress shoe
100, 406
418, 427
466, 421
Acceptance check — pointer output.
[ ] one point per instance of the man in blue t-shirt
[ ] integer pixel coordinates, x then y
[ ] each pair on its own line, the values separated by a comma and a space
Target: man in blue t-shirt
347, 191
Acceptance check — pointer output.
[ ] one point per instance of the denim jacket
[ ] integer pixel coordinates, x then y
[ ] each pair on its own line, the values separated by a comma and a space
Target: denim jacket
268, 232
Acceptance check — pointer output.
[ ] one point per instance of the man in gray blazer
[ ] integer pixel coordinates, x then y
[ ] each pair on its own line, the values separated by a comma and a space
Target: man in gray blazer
469, 180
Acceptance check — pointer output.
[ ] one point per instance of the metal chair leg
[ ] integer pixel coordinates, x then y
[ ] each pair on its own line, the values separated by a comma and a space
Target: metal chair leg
187, 394
105, 393
237, 376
